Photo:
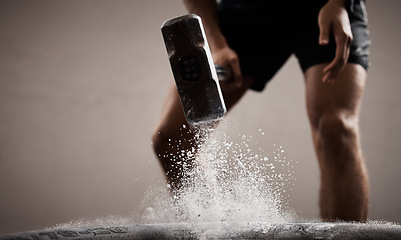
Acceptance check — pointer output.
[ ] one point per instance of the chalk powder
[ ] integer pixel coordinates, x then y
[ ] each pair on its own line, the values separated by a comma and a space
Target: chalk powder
230, 182
234, 184
235, 187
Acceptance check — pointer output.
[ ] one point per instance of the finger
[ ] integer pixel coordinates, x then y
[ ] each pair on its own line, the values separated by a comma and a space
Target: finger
341, 49
328, 77
340, 59
331, 72
347, 48
237, 75
324, 33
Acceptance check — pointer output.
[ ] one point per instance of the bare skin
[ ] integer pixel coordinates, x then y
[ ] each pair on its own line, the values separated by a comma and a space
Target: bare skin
170, 130
333, 95
333, 111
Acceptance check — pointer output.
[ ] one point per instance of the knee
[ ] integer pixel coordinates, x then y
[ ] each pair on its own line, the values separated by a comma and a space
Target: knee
332, 126
169, 144
172, 152
159, 143
336, 134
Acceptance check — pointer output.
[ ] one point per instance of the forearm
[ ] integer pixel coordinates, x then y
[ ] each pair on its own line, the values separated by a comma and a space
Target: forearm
223, 55
207, 10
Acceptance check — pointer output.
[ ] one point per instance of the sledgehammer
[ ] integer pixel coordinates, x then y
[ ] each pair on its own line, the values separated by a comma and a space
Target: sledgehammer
193, 69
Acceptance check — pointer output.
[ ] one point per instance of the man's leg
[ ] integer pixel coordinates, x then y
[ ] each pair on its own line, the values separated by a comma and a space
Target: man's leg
170, 139
333, 111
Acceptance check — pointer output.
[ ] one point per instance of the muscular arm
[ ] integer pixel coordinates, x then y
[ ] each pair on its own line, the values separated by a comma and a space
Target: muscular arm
207, 10
222, 54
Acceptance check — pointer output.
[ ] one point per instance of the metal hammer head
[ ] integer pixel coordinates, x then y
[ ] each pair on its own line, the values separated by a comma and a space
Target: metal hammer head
193, 69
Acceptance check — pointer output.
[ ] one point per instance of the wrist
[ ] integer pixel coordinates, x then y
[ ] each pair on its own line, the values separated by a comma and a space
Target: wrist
216, 41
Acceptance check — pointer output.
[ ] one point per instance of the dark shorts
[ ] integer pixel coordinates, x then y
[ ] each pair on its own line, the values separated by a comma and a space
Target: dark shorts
265, 33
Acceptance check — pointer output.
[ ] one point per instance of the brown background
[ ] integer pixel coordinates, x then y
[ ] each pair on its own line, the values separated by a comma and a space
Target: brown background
81, 89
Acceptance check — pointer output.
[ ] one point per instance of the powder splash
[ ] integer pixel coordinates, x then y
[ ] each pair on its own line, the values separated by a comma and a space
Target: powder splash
234, 189
230, 179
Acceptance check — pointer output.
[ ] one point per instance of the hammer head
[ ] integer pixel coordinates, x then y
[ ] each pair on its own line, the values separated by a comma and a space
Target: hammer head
193, 69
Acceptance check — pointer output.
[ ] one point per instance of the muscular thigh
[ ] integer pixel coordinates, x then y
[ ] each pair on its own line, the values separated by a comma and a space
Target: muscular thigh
343, 97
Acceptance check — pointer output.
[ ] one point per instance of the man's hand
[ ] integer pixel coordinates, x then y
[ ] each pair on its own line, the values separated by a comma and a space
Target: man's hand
222, 54
333, 19
228, 59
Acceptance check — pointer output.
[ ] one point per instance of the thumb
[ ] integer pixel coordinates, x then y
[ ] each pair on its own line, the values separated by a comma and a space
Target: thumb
236, 72
324, 33
237, 77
